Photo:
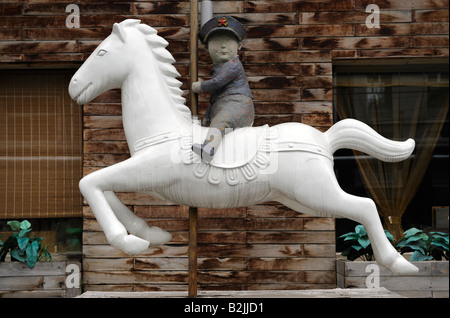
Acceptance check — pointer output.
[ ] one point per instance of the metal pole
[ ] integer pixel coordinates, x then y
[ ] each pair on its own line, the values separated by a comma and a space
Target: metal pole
206, 11
193, 212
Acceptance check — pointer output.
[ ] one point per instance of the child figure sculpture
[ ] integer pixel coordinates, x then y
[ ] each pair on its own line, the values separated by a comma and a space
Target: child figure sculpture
231, 101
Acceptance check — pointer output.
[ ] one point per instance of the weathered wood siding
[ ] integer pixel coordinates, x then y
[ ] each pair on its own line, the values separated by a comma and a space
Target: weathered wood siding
44, 280
288, 57
430, 282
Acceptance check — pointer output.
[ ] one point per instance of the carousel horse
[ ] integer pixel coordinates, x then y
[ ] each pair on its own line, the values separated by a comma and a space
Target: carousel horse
291, 163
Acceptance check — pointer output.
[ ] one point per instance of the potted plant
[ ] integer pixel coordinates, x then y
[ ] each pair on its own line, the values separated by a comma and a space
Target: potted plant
424, 247
22, 247
429, 251
358, 244
31, 271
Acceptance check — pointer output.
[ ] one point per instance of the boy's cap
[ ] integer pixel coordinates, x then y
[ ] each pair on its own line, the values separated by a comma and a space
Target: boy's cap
222, 24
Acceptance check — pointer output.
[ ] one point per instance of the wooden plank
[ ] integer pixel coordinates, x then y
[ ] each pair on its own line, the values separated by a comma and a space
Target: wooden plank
320, 277
31, 283
127, 277
319, 224
430, 28
96, 264
103, 122
258, 294
292, 264
164, 263
270, 44
405, 4
347, 17
167, 7
273, 210
396, 283
319, 250
310, 56
180, 237
102, 109
266, 277
103, 160
104, 134
34, 294
41, 268
436, 52
427, 41
35, 47
431, 15
87, 8
439, 268
357, 42
165, 211
359, 269
107, 251
290, 237
270, 31
251, 250
106, 147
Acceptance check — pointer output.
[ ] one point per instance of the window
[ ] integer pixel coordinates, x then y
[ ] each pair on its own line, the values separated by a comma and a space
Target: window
40, 145
399, 102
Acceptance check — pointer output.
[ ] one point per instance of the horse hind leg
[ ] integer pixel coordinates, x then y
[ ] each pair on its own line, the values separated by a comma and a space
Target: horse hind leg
136, 225
322, 196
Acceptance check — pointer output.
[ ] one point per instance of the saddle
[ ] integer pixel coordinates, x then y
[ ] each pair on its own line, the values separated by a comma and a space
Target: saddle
237, 147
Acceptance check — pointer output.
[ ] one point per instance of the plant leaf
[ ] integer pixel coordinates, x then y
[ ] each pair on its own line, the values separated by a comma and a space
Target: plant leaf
364, 242
15, 225
351, 237
32, 253
22, 233
18, 255
439, 244
22, 242
412, 231
439, 236
24, 225
360, 229
417, 257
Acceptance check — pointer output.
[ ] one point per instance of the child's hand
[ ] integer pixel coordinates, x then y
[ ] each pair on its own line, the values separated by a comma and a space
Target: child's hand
197, 87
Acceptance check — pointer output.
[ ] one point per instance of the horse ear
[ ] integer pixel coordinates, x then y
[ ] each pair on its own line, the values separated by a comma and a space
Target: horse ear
118, 30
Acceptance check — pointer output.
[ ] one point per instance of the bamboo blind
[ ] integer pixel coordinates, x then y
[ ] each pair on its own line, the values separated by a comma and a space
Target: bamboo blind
40, 145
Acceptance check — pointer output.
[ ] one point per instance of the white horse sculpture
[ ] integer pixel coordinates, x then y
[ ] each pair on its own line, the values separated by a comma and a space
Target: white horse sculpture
290, 163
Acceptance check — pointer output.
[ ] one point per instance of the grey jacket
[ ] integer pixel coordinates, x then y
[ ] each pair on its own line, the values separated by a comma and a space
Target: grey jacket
227, 79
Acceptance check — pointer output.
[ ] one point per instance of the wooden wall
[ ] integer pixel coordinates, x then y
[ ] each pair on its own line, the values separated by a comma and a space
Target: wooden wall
288, 57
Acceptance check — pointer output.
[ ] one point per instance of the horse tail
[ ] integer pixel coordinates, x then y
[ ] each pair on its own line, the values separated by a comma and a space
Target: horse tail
356, 135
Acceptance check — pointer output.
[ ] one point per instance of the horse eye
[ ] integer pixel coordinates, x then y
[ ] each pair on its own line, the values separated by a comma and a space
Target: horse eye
102, 52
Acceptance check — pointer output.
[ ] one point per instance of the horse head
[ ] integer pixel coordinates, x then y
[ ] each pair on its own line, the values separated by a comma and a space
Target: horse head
110, 63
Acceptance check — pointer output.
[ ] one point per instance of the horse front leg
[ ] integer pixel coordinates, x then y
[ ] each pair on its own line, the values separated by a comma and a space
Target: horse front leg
136, 225
118, 177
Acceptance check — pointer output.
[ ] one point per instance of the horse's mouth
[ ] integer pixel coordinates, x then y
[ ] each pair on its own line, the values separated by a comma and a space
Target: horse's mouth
80, 97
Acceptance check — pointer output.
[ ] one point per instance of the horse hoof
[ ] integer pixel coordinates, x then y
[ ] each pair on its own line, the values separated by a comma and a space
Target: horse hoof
130, 244
402, 267
156, 236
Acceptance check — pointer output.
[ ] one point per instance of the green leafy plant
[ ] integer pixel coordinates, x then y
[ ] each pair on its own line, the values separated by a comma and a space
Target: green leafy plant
424, 247
22, 247
358, 244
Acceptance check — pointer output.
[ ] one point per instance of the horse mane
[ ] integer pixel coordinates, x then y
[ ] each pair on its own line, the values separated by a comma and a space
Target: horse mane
158, 46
